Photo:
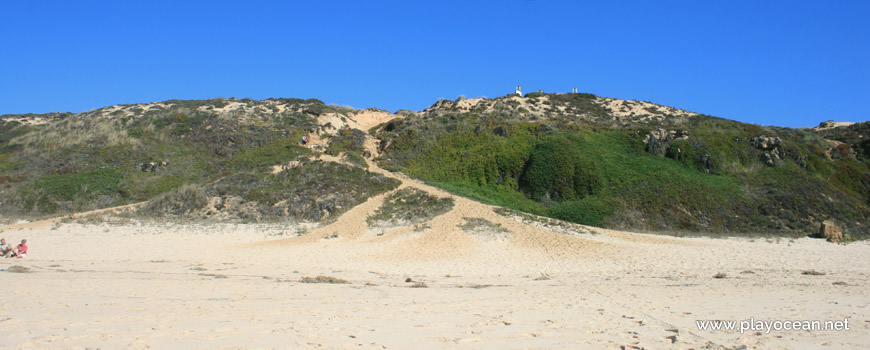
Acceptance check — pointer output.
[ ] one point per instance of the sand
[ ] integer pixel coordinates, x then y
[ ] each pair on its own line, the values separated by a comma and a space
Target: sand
140, 285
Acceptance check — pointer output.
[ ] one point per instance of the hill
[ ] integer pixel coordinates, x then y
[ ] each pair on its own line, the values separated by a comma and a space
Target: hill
634, 165
577, 157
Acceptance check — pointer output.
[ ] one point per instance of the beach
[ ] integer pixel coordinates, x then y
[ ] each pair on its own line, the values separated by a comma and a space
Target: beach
142, 284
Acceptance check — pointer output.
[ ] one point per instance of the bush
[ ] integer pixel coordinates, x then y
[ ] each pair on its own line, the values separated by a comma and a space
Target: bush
272, 153
309, 192
180, 201
550, 170
409, 206
587, 211
323, 279
45, 194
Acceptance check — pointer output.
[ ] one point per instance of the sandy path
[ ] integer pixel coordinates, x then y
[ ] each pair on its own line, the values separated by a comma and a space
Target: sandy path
48, 222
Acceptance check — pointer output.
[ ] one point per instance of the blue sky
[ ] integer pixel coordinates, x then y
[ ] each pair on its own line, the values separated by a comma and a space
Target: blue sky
791, 63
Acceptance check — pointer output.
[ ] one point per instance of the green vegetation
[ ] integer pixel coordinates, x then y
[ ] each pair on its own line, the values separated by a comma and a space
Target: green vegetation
409, 206
565, 156
180, 201
575, 177
313, 191
350, 143
47, 193
273, 153
179, 156
484, 229
585, 171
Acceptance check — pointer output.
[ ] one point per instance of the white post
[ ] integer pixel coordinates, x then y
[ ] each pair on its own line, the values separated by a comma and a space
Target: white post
519, 91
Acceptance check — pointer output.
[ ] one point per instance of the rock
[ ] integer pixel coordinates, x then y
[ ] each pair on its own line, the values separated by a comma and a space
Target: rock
151, 167
659, 140
830, 232
770, 146
765, 143
655, 145
706, 161
767, 159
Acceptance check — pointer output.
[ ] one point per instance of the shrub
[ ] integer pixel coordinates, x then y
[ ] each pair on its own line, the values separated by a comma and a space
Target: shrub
409, 206
45, 193
323, 279
270, 154
180, 201
587, 211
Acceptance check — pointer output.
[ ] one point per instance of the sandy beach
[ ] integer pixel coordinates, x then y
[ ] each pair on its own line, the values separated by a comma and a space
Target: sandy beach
235, 286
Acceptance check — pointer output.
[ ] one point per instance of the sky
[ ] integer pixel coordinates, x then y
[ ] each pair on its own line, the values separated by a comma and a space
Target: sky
787, 63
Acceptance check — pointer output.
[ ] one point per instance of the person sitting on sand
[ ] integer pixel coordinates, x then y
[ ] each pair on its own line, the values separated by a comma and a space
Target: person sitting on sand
20, 251
4, 248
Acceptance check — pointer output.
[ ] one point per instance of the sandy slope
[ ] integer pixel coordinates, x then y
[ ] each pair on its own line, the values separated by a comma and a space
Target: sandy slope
161, 285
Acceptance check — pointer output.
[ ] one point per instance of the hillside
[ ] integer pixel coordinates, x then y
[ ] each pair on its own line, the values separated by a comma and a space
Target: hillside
634, 165
578, 157
193, 159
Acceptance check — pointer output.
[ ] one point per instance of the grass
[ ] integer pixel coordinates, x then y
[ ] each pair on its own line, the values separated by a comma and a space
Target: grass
419, 285
44, 194
578, 178
714, 182
409, 206
812, 273
349, 142
273, 153
181, 201
19, 269
199, 143
483, 228
90, 160
565, 157
323, 279
312, 192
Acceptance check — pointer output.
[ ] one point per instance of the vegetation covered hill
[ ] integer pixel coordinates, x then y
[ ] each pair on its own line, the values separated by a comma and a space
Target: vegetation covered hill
199, 159
636, 165
577, 157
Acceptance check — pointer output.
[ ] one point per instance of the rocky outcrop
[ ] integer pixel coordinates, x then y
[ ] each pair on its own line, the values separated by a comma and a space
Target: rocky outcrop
659, 140
765, 143
771, 146
705, 160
